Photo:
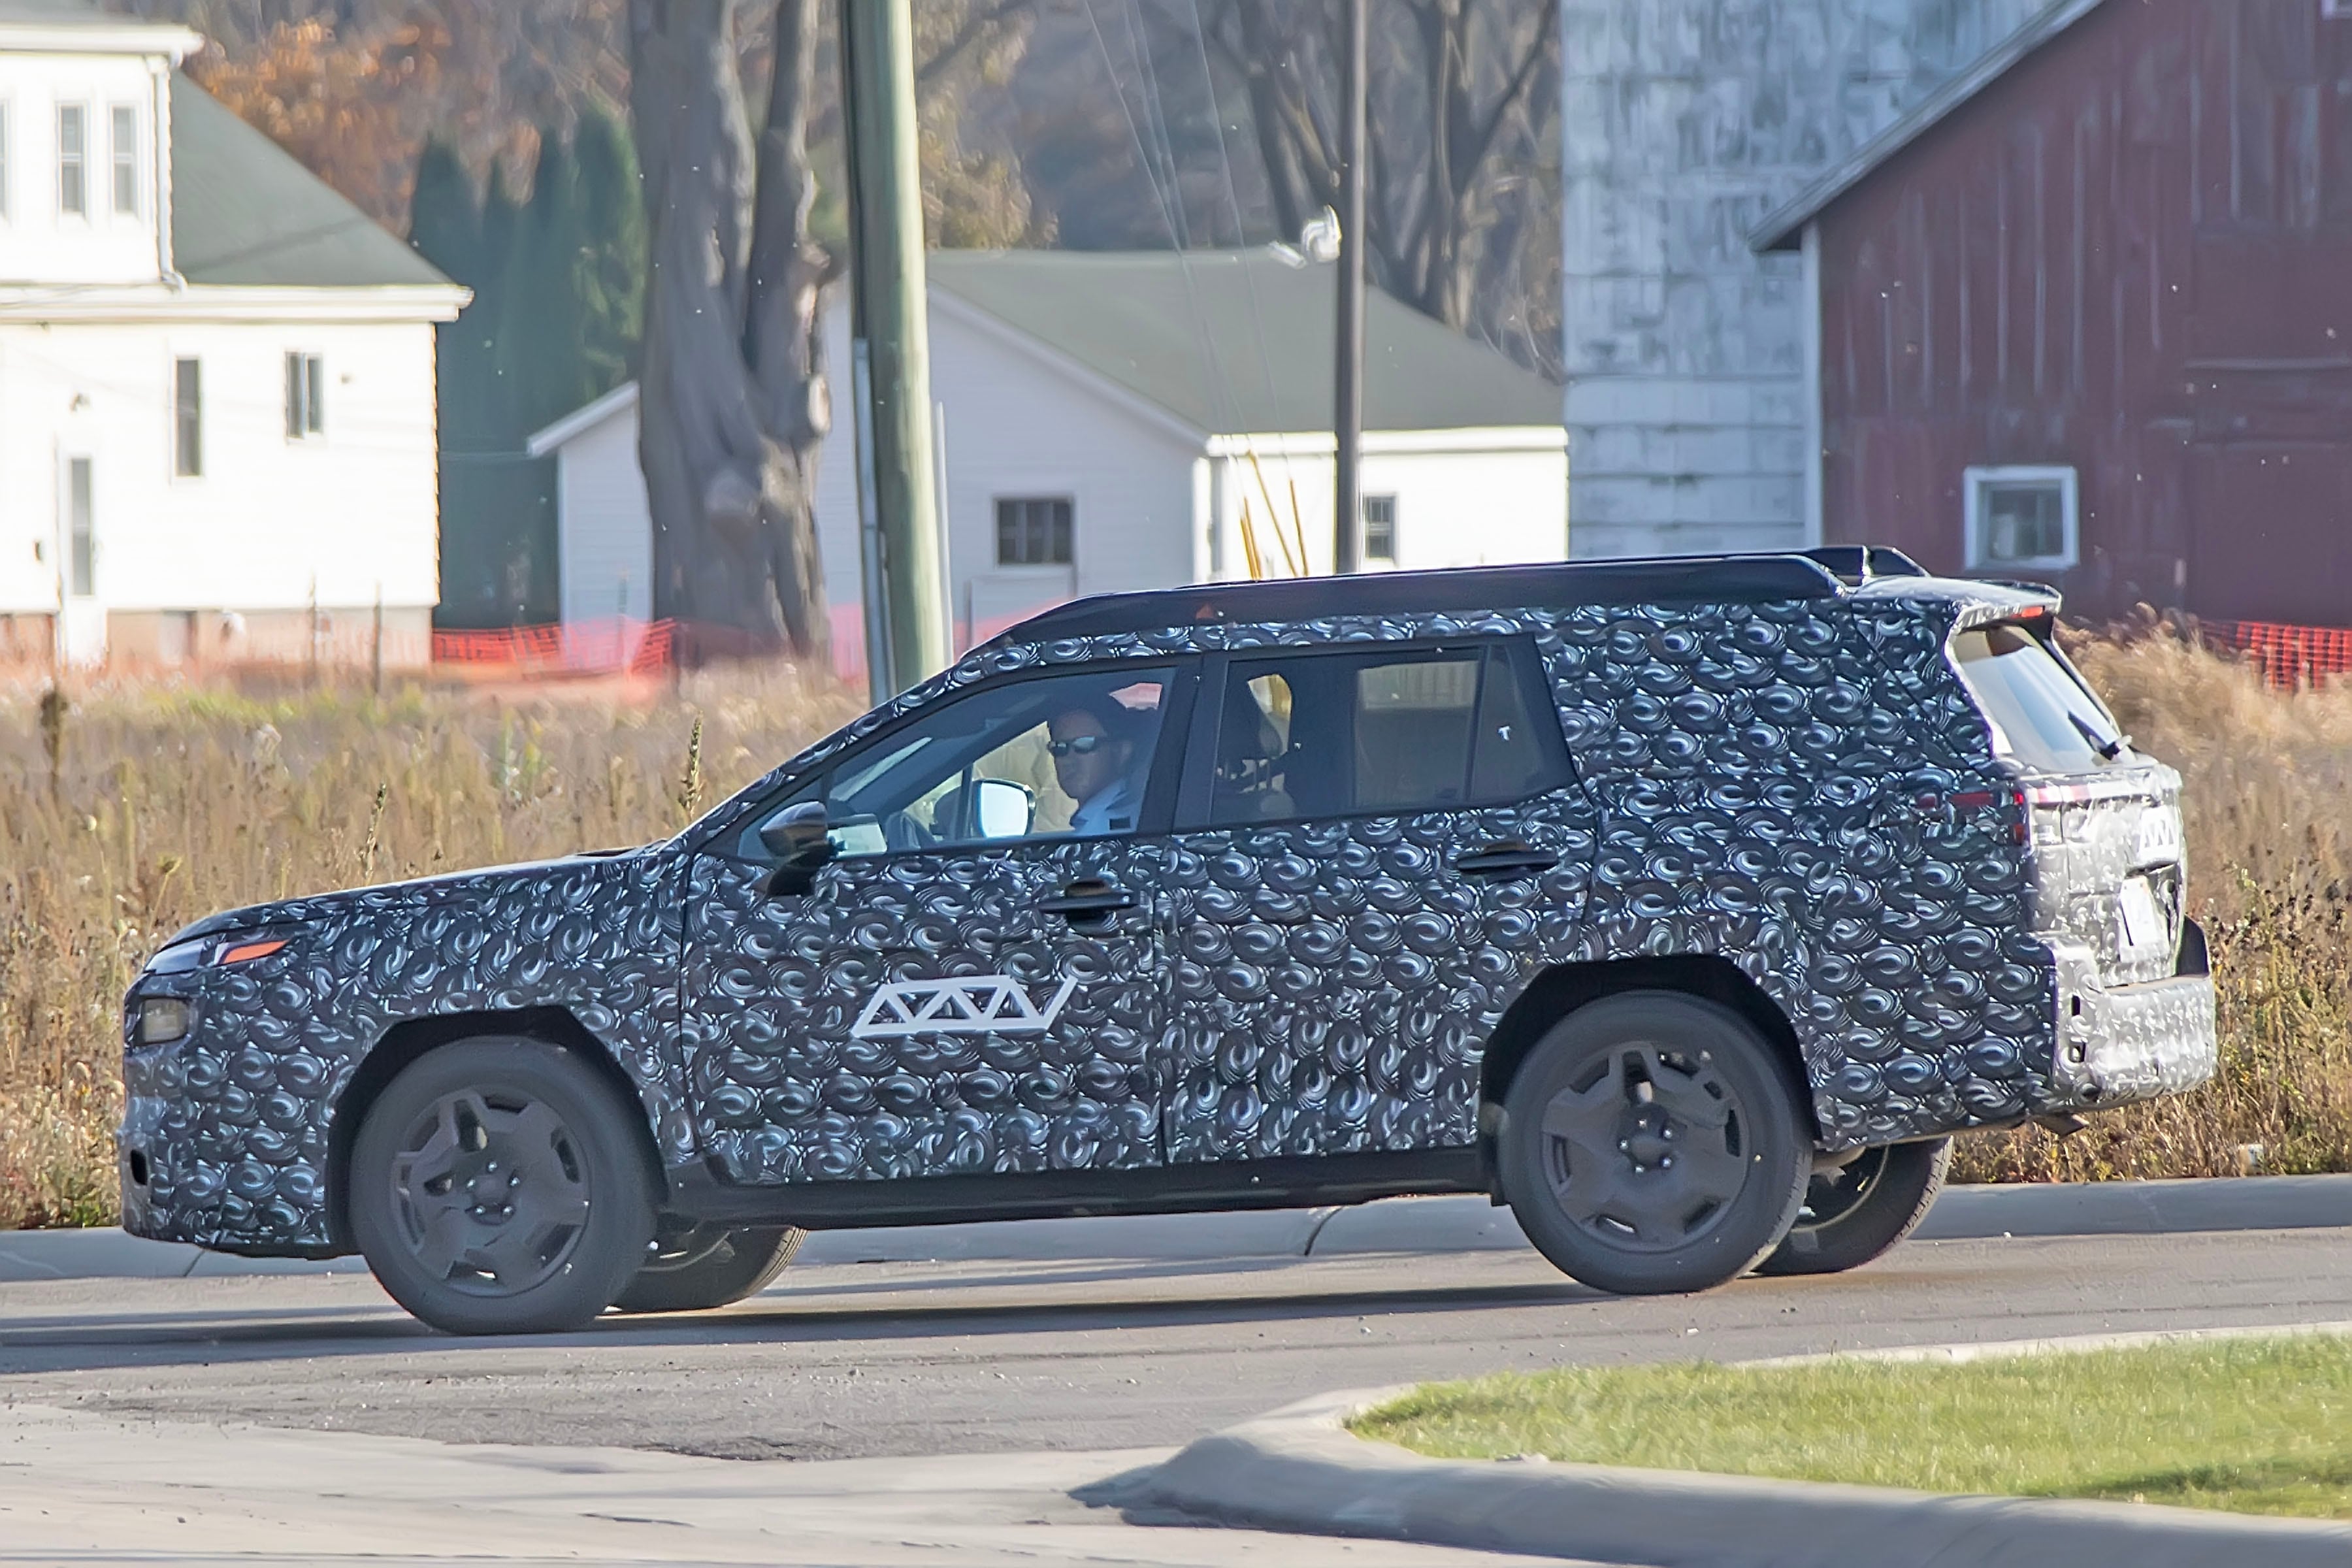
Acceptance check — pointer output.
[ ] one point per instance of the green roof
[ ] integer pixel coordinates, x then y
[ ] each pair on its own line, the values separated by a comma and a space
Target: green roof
50, 13
1240, 341
245, 213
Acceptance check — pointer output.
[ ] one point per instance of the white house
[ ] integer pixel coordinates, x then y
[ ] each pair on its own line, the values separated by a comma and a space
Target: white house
1114, 421
217, 394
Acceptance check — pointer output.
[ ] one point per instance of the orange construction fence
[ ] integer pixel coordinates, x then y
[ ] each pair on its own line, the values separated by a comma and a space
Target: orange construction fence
2290, 657
616, 645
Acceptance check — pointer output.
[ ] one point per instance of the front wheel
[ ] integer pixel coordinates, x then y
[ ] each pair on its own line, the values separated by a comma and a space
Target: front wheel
1853, 1214
1652, 1143
710, 1267
498, 1186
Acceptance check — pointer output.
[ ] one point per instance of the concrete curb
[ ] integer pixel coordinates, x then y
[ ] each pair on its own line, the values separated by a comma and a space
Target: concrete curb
1298, 1470
1396, 1225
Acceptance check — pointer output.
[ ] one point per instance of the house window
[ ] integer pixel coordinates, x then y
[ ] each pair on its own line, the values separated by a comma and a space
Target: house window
187, 418
125, 149
2022, 519
81, 532
73, 148
1379, 531
306, 409
1033, 530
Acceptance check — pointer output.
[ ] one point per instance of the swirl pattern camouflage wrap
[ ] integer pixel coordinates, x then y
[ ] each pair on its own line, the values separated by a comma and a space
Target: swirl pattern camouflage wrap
1801, 789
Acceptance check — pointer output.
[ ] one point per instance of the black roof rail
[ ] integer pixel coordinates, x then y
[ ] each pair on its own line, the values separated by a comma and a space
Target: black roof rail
1858, 564
1698, 579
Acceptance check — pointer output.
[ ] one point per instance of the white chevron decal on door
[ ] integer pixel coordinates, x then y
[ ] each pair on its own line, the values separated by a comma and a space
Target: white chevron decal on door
976, 1004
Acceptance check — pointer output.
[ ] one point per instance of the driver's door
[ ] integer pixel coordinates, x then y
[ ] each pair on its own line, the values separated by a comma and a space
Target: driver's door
968, 985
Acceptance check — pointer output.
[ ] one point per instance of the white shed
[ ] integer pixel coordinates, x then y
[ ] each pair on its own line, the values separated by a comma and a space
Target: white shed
1117, 421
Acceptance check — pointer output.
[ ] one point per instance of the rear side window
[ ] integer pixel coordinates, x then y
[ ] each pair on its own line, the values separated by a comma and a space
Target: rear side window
1341, 734
2042, 717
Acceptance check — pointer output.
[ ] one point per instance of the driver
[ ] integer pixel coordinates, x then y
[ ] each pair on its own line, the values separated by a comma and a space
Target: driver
1094, 745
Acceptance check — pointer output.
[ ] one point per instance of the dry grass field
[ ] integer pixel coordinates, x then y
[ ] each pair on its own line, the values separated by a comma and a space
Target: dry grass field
166, 802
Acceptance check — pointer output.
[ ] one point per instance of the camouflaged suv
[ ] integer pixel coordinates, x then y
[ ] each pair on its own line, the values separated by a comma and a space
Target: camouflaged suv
1686, 906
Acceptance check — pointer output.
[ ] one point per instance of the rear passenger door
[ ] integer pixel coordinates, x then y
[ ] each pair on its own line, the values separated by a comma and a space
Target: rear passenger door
1373, 845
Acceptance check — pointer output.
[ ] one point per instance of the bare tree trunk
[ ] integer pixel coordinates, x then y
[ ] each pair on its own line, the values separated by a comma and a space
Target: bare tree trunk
731, 397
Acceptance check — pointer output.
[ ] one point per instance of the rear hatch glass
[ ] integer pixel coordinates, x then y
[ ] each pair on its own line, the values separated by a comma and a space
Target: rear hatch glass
2043, 718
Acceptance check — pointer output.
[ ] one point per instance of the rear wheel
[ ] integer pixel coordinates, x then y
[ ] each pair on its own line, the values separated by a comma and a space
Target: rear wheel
1652, 1143
1853, 1214
498, 1186
709, 1266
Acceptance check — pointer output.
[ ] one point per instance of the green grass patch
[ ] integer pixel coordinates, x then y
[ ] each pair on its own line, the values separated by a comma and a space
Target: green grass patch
2248, 1426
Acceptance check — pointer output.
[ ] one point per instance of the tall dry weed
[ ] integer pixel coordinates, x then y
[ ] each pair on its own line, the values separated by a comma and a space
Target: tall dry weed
129, 809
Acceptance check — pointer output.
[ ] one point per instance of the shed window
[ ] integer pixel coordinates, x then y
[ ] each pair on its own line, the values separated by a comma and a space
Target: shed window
1379, 531
2022, 519
305, 408
1033, 530
188, 418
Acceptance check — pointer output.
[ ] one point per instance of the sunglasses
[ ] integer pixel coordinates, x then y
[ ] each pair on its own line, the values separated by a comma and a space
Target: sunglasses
1078, 745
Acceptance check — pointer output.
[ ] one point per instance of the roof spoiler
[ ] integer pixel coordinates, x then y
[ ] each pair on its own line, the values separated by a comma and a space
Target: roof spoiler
1858, 564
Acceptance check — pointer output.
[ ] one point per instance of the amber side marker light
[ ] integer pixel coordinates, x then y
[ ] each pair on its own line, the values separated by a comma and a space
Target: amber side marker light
250, 950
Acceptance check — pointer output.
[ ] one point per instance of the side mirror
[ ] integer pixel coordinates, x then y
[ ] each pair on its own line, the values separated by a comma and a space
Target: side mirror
1001, 808
797, 835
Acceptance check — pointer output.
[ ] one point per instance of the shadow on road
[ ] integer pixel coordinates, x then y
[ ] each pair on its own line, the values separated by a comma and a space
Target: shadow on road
89, 1340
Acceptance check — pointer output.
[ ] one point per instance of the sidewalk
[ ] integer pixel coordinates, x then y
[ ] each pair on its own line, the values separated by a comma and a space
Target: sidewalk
1395, 1224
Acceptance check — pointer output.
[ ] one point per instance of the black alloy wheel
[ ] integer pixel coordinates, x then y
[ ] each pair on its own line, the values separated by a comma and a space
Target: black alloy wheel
499, 1185
1653, 1142
703, 1265
1855, 1212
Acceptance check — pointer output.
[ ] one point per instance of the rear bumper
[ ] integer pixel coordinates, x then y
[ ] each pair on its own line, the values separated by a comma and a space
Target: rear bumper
2117, 1044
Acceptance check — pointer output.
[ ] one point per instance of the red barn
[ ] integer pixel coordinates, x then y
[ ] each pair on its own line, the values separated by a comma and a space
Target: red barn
2085, 316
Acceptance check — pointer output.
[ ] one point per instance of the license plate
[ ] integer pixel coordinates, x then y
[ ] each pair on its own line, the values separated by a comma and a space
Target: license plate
2144, 928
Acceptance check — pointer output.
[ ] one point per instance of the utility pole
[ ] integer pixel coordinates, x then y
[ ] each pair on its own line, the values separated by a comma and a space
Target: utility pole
1348, 391
890, 351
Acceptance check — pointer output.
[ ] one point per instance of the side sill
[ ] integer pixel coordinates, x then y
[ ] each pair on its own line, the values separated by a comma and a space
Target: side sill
699, 1193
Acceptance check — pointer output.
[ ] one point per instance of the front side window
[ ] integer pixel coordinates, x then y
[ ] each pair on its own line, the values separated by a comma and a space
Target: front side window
1033, 530
125, 149
306, 397
73, 154
1341, 735
1064, 757
2022, 519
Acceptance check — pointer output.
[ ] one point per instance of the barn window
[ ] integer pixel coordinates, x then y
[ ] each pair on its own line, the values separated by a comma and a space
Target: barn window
1033, 530
2023, 519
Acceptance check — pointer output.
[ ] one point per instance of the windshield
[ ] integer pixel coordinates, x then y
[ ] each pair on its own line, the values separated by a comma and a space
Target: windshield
2042, 717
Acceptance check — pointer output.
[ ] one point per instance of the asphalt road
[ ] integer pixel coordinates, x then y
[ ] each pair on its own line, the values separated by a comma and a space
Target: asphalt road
905, 1359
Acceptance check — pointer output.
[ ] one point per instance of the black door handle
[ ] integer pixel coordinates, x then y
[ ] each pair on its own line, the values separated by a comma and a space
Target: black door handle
1090, 897
1507, 859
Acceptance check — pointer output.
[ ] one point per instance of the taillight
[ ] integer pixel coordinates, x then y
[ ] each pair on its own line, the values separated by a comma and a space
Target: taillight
1947, 807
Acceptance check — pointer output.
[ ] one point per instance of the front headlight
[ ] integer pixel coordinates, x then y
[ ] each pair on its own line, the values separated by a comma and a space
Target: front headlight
204, 952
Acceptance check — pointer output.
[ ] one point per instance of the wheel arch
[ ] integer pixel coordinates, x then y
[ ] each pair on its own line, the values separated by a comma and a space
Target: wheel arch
1561, 989
411, 1040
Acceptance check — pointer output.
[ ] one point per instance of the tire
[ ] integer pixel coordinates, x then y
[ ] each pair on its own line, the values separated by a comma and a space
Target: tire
1851, 1216
499, 1185
1654, 1143
708, 1267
